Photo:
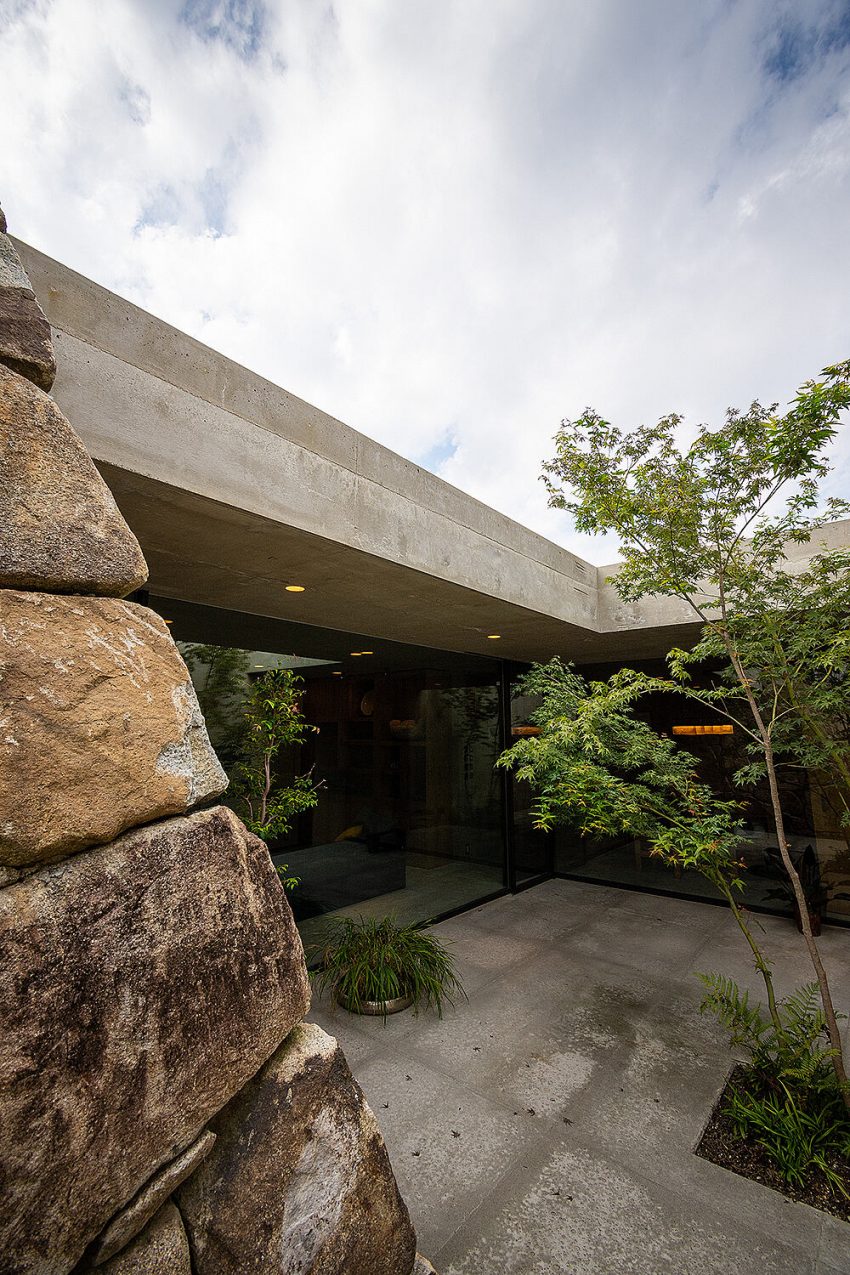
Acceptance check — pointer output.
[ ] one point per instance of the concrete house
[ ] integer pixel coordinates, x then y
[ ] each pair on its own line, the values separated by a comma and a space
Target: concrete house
407, 606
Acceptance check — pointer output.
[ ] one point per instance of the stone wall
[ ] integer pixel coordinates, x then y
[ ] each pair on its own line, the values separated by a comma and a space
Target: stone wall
165, 1109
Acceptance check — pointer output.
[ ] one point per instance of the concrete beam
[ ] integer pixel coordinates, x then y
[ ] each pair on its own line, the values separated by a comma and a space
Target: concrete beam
235, 487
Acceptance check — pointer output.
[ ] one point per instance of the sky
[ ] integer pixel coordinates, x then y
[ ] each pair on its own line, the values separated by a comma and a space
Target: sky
454, 224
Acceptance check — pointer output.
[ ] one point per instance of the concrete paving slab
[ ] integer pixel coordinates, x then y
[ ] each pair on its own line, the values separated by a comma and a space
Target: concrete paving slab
547, 923
725, 951
483, 956
577, 1213
656, 1076
581, 1065
834, 1247
448, 1145
652, 944
477, 1041
705, 918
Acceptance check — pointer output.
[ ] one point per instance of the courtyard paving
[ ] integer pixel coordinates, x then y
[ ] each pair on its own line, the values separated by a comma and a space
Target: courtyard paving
547, 1124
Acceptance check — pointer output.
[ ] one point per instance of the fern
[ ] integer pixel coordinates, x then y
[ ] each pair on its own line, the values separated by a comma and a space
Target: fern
745, 1023
798, 1053
787, 1099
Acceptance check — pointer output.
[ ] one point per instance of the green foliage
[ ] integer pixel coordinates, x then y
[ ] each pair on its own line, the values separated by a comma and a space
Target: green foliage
377, 960
249, 722
273, 721
795, 1050
288, 882
596, 767
795, 642
695, 522
798, 1139
220, 676
787, 1097
683, 513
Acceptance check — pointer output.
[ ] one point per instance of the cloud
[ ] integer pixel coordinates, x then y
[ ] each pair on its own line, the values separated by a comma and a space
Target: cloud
438, 453
488, 214
797, 42
239, 24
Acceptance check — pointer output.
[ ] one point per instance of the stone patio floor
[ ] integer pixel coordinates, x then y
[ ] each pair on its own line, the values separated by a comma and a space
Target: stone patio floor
547, 1125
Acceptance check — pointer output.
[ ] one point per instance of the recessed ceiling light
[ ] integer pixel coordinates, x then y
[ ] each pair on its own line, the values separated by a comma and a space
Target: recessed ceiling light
355, 652
367, 652
336, 673
294, 588
492, 636
168, 621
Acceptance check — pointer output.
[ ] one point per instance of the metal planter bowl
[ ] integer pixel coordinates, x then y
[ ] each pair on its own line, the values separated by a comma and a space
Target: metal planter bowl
378, 1009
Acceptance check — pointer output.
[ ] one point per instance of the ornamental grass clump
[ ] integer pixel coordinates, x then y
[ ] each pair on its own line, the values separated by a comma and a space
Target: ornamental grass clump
368, 961
785, 1098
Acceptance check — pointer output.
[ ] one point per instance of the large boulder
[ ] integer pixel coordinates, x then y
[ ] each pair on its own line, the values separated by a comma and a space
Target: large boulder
26, 344
135, 1216
299, 1181
100, 727
142, 985
161, 1249
60, 528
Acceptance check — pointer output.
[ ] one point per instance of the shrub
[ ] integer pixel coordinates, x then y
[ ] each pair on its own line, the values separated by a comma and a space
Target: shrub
786, 1098
376, 960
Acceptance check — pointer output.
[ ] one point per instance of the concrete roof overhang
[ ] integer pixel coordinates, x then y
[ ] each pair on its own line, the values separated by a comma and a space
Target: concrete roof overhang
235, 488
207, 552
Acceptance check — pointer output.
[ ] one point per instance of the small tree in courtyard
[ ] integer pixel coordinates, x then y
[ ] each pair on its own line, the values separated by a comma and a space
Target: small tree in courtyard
694, 523
273, 722
599, 769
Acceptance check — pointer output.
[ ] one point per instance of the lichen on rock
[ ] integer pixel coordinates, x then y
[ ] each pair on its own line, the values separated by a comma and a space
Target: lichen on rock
143, 984
299, 1181
26, 342
60, 528
161, 1249
93, 695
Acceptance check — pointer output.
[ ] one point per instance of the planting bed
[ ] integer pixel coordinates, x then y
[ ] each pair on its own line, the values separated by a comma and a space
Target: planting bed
721, 1145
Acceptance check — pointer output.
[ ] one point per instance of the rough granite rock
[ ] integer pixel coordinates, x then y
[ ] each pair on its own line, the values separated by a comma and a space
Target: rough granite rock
118, 1233
422, 1266
100, 728
299, 1181
60, 528
161, 1249
26, 343
142, 985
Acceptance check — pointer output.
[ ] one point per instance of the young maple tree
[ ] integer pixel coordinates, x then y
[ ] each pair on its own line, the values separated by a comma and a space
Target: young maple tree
596, 767
273, 721
695, 522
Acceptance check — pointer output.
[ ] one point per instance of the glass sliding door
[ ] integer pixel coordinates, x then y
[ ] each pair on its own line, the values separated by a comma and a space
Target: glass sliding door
408, 820
812, 810
402, 746
533, 850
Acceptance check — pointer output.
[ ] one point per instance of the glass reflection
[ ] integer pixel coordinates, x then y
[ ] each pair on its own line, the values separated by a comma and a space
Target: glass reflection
408, 820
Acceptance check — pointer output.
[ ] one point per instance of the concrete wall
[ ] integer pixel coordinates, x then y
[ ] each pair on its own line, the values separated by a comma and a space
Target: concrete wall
152, 401
234, 486
615, 615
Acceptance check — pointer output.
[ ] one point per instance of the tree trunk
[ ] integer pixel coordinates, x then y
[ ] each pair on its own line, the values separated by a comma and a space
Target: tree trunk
806, 927
794, 876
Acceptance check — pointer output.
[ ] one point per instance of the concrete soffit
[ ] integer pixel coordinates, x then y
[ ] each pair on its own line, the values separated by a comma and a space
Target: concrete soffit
235, 488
